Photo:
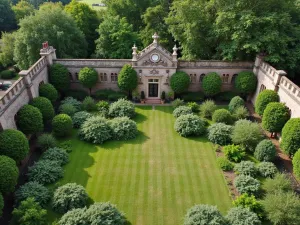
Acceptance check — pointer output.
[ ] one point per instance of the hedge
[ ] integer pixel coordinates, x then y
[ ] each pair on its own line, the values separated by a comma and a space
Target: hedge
263, 99
80, 117
207, 108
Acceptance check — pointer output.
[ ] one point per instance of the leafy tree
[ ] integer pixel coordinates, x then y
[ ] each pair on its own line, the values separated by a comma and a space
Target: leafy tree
37, 3
222, 116
86, 20
275, 116
22, 9
219, 133
265, 151
122, 108
246, 82
88, 77
35, 29
127, 79
7, 49
235, 103
182, 110
234, 153
30, 213
9, 174
280, 182
189, 125
116, 38
30, 120
59, 77
251, 203
290, 136
211, 84
242, 216
180, 82
282, 208
56, 154
7, 17
123, 128
207, 108
62, 125
263, 99
246, 184
204, 214
74, 217
296, 164
14, 144
46, 141
48, 91
45, 107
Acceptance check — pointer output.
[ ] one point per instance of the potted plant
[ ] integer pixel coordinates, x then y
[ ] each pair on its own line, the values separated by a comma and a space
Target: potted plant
170, 95
163, 97
135, 95
142, 97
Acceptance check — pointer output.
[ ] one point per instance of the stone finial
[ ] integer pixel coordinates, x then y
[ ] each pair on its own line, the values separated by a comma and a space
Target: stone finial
175, 49
48, 52
134, 53
155, 38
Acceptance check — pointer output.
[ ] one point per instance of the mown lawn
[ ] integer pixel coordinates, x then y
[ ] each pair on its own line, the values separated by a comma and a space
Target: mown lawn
153, 179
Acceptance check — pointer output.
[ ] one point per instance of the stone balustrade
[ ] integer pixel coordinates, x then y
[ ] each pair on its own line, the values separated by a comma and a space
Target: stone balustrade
291, 88
214, 64
95, 63
37, 67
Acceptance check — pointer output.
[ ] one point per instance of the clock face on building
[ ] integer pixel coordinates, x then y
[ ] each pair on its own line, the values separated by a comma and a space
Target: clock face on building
154, 57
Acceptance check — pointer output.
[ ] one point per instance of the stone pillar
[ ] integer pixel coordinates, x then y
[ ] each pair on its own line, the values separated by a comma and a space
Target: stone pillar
277, 78
134, 53
48, 52
28, 83
155, 39
259, 59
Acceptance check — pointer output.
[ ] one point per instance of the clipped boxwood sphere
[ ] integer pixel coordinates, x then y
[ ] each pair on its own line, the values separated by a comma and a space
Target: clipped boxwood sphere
275, 116
220, 133
179, 82
9, 174
235, 103
59, 77
14, 144
48, 91
45, 107
123, 128
296, 164
222, 116
62, 125
212, 84
290, 136
80, 117
246, 82
189, 125
122, 108
263, 99
69, 196
265, 151
30, 120
56, 154
182, 110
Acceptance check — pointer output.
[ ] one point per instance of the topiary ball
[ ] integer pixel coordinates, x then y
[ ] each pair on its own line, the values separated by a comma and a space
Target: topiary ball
267, 169
235, 102
88, 77
14, 144
62, 125
80, 117
296, 164
45, 107
123, 128
48, 91
246, 82
122, 108
180, 82
189, 125
9, 174
265, 151
182, 110
222, 116
220, 133
290, 136
263, 99
211, 84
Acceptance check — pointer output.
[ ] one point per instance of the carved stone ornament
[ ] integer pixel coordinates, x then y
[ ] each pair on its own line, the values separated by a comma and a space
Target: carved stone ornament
159, 63
154, 72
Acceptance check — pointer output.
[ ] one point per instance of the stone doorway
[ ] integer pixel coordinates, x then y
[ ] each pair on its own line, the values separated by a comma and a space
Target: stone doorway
153, 88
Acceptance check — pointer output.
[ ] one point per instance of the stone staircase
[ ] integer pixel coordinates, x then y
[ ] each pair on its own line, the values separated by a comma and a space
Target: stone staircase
153, 101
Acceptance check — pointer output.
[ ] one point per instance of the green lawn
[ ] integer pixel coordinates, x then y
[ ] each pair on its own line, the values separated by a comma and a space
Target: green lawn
153, 179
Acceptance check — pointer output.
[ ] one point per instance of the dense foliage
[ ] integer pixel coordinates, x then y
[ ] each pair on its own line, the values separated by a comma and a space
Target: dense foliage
9, 174
46, 141
179, 82
7, 49
246, 82
69, 196
242, 216
48, 91
222, 116
59, 77
189, 125
193, 106
22, 9
74, 217
224, 163
62, 125
280, 182
88, 77
177, 102
14, 144
79, 118
89, 104
234, 153
235, 102
45, 172
45, 107
127, 78
251, 203
70, 100
246, 184
240, 113
123, 128
207, 108
265, 151
7, 17
263, 99
68, 109
56, 154
290, 136
246, 168
122, 108
296, 164
211, 84
30, 120
1, 204
220, 133
182, 110
267, 169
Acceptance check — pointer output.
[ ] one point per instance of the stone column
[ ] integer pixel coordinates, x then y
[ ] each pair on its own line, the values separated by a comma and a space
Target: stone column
28, 83
258, 61
48, 52
277, 78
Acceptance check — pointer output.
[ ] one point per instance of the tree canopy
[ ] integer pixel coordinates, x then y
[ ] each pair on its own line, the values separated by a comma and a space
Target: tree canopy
22, 9
7, 17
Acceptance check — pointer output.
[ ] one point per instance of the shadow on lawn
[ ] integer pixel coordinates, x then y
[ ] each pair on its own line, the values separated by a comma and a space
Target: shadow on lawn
164, 109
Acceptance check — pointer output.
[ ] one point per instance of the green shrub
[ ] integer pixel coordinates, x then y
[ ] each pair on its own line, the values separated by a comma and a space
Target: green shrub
246, 184
177, 102
179, 82
224, 164
30, 120
46, 141
103, 94
220, 133
222, 116
267, 169
9, 174
234, 153
247, 134
1, 204
79, 118
127, 78
245, 168
265, 151
263, 99
67, 109
116, 97
48, 91
204, 214
249, 202
122, 108
182, 110
123, 128
240, 113
77, 94
290, 136
207, 108
211, 84
280, 182
226, 96
7, 74
246, 82
88, 77
45, 107
69, 100
56, 154
45, 172
192, 96
193, 106
235, 102
275, 116
89, 104
62, 125
296, 164
102, 106
14, 144
189, 125
59, 77
69, 196
95, 130
35, 190
74, 217
242, 216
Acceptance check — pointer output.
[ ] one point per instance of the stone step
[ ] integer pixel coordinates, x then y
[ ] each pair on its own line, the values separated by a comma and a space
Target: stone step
153, 101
